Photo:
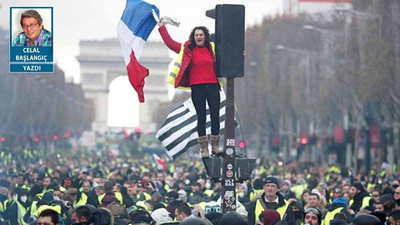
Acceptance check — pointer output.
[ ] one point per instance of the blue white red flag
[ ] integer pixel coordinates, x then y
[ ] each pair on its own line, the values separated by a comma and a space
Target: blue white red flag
133, 29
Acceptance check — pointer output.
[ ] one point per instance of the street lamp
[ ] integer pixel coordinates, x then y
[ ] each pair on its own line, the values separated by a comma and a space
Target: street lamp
322, 31
309, 77
357, 13
311, 54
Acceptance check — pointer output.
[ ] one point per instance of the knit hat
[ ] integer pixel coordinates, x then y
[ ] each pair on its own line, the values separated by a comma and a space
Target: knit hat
3, 191
338, 222
258, 184
142, 183
182, 194
244, 187
359, 186
366, 219
270, 216
315, 191
161, 216
300, 181
141, 219
341, 200
288, 183
381, 216
273, 180
172, 195
385, 198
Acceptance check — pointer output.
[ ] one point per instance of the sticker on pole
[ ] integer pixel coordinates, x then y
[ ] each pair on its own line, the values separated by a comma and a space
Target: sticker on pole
230, 142
229, 183
228, 194
229, 151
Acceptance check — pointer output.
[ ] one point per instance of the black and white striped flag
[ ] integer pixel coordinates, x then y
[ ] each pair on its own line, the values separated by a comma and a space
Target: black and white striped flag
179, 131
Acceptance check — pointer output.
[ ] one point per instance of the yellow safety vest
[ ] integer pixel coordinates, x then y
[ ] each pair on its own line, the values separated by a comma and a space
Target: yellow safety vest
166, 187
23, 186
202, 205
143, 205
209, 193
3, 205
177, 66
82, 200
56, 208
329, 216
281, 210
147, 196
117, 195
299, 189
21, 213
365, 202
33, 207
255, 193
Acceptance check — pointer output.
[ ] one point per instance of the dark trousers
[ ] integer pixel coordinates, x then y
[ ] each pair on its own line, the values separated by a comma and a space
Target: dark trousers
200, 94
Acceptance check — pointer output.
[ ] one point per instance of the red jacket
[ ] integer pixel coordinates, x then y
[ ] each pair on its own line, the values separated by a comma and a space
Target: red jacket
182, 78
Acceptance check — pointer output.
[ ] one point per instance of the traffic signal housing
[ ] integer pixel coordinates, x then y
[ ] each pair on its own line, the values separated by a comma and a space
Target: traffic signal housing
229, 39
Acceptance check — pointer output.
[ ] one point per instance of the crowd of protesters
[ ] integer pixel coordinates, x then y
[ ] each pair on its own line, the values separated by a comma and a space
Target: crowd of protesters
101, 187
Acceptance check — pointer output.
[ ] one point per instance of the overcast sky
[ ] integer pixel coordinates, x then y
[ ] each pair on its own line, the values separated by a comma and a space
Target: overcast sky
76, 20
97, 19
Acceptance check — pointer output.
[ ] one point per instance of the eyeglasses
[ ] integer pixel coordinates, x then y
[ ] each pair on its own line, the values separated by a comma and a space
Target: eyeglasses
32, 26
313, 210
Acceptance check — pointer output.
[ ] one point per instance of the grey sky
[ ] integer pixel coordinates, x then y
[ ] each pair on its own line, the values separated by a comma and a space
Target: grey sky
97, 19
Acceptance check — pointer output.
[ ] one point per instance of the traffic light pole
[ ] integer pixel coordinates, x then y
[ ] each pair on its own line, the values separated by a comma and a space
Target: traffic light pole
229, 40
228, 169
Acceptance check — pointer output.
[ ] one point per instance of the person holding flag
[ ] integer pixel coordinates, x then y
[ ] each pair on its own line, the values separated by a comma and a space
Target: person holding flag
195, 69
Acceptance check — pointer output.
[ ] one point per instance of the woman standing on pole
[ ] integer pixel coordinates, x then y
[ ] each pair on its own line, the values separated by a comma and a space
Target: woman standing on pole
195, 68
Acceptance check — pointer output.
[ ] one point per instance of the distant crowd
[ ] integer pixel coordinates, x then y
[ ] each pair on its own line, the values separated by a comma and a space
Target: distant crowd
102, 188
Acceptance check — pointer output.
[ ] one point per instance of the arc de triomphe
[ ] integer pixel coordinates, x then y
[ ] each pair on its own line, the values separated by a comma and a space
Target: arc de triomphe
102, 61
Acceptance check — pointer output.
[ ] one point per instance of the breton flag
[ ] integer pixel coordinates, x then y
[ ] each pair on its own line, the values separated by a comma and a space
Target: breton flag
133, 29
179, 131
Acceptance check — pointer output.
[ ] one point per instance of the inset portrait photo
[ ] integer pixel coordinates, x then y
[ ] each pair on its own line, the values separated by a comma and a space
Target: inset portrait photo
31, 26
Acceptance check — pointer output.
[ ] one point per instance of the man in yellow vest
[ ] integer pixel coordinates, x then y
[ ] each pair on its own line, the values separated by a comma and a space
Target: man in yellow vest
3, 200
142, 189
360, 198
271, 199
339, 205
312, 216
257, 189
17, 207
110, 193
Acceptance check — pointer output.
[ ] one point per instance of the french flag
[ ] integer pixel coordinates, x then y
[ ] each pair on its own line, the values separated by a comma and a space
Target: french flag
133, 29
160, 163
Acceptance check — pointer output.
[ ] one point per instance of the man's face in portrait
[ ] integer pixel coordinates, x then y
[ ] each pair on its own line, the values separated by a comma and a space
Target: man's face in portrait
31, 28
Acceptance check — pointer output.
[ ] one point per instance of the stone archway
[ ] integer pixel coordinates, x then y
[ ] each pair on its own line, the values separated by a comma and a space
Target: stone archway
102, 61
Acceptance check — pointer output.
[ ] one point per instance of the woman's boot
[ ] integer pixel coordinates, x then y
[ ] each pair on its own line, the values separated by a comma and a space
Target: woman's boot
203, 142
215, 145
